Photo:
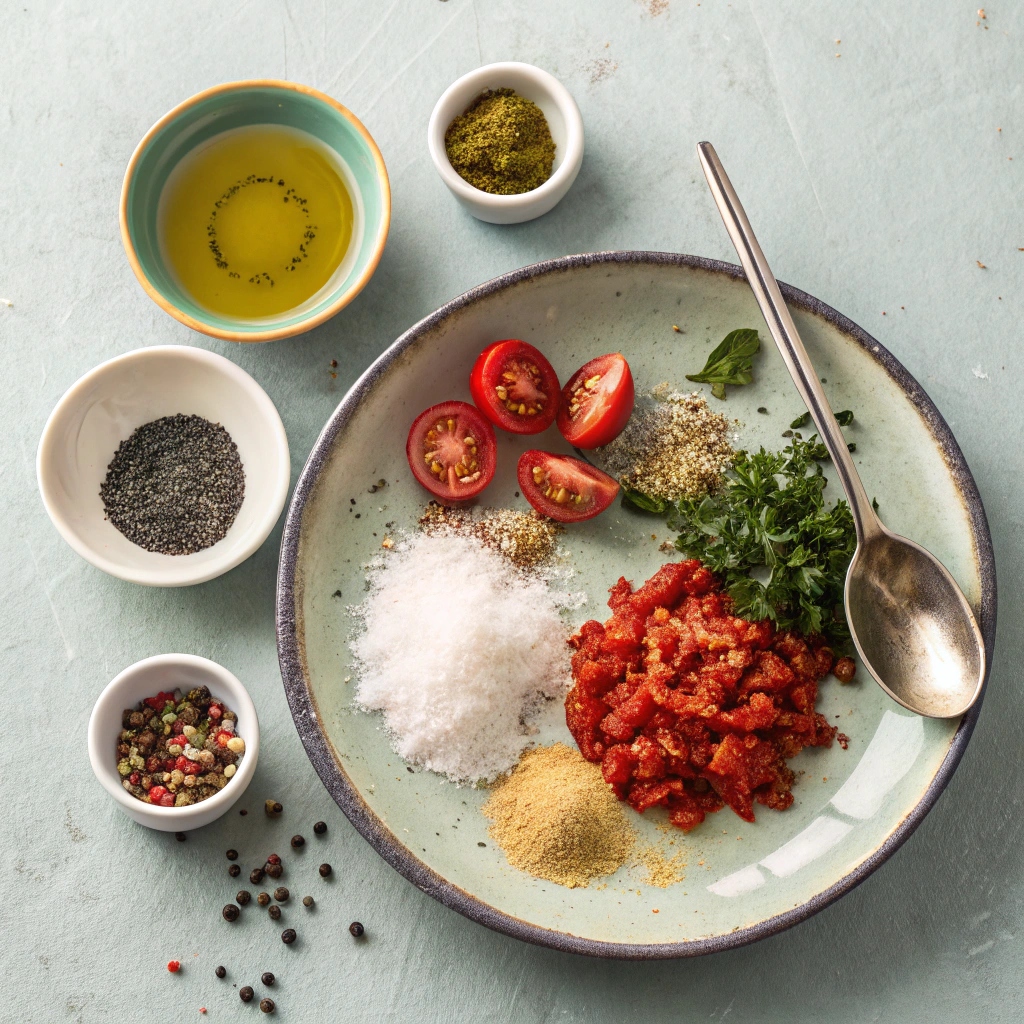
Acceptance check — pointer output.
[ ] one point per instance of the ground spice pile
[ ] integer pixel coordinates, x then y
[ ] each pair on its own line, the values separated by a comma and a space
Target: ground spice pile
502, 144
526, 539
459, 652
676, 448
174, 486
555, 818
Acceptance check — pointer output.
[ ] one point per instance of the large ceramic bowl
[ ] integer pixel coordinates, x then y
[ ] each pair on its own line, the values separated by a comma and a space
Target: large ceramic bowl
237, 105
853, 807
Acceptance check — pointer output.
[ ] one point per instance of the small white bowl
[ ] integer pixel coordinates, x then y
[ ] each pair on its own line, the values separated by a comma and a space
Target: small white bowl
563, 118
106, 405
146, 678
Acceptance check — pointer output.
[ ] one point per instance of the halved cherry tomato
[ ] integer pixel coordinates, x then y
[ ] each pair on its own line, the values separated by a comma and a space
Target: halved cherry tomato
597, 402
564, 488
514, 386
452, 451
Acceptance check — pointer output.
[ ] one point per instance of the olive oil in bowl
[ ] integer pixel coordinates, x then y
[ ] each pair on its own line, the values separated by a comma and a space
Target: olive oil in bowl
257, 221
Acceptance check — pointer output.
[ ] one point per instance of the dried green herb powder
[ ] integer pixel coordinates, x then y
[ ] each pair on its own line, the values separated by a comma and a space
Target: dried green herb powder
502, 144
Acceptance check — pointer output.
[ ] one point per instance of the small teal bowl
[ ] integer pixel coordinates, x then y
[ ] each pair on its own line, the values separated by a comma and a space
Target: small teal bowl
236, 105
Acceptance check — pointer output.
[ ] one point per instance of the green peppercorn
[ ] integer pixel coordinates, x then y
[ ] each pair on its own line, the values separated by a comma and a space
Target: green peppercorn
263, 899
256, 876
274, 912
234, 870
281, 894
232, 855
288, 936
220, 972
325, 870
242, 897
307, 901
320, 828
246, 994
230, 912
356, 929
268, 978
267, 1005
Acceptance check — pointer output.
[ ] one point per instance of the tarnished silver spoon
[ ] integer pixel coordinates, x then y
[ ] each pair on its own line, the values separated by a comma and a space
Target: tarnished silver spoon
912, 626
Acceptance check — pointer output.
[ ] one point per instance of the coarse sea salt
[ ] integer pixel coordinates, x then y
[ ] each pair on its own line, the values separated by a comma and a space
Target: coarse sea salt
459, 651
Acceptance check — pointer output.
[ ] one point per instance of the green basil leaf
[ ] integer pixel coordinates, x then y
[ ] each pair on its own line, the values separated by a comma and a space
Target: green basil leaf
844, 418
730, 363
644, 502
801, 421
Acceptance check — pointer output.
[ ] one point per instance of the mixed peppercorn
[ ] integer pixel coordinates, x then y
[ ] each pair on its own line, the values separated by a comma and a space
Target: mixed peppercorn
176, 750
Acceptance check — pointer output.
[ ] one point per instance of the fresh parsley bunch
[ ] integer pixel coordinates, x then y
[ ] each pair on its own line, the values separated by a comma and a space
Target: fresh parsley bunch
770, 519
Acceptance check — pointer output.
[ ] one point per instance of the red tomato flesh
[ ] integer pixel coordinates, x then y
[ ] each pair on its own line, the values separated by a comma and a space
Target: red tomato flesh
452, 451
597, 402
567, 489
515, 387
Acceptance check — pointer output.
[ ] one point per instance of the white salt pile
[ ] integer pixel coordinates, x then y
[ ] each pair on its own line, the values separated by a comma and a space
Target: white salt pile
459, 652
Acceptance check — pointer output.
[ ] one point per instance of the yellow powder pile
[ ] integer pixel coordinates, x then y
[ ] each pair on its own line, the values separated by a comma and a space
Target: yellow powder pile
661, 871
555, 818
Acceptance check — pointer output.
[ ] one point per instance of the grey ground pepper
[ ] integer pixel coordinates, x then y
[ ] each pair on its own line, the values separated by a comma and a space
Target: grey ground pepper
174, 486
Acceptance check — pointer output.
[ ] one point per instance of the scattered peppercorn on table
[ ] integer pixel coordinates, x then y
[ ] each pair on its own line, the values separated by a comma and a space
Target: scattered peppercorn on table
864, 142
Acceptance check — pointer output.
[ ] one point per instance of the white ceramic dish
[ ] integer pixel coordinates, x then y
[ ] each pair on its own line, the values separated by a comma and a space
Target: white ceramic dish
563, 118
144, 679
106, 405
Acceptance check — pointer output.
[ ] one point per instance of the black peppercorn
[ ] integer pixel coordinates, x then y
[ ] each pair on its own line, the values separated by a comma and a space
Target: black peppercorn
263, 899
234, 870
242, 897
273, 808
246, 994
275, 913
288, 936
307, 901
356, 929
232, 855
267, 1005
230, 912
281, 894
274, 870
268, 978
220, 972
325, 870
320, 828
256, 876
180, 836
297, 842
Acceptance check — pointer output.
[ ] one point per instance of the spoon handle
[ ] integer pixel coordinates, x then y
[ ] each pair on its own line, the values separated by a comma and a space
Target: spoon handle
766, 290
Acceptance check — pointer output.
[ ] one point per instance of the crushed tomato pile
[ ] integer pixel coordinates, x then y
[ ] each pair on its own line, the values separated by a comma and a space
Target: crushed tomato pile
686, 706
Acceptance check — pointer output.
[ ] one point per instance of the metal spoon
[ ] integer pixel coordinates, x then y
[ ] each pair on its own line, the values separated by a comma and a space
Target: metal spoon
912, 626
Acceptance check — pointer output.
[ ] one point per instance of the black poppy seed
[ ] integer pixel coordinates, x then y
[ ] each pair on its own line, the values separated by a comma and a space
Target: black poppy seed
242, 897
175, 485
274, 912
288, 936
246, 994
234, 870
268, 978
356, 929
325, 870
230, 912
220, 972
320, 828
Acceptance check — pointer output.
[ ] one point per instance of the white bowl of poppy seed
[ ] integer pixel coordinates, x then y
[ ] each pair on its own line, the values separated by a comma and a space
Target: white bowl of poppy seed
167, 673
166, 466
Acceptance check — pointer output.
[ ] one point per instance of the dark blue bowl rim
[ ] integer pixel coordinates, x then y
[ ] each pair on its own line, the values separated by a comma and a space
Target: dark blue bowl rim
376, 833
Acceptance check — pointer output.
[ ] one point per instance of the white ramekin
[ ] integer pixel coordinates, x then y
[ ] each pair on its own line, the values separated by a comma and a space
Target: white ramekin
167, 672
105, 406
563, 117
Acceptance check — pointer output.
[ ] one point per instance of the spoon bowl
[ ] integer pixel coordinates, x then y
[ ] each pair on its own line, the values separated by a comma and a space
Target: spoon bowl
913, 627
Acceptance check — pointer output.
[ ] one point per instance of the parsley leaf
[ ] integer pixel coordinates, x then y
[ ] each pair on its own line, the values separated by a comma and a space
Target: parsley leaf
844, 419
730, 363
769, 536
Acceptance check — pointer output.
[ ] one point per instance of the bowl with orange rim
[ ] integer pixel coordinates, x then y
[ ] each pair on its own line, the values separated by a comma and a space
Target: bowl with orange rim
339, 231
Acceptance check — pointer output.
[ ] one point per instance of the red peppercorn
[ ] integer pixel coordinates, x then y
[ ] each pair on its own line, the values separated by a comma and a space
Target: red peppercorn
181, 762
192, 768
152, 763
156, 792
214, 712
273, 859
174, 966
167, 800
177, 727
169, 765
222, 739
134, 778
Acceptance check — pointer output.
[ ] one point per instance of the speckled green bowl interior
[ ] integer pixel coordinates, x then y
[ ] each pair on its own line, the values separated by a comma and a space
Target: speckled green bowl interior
236, 108
741, 880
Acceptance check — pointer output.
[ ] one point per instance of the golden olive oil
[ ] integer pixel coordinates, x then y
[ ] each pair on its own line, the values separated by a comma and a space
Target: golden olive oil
255, 221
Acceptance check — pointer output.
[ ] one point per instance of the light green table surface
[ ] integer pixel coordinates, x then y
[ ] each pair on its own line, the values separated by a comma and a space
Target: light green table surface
876, 180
